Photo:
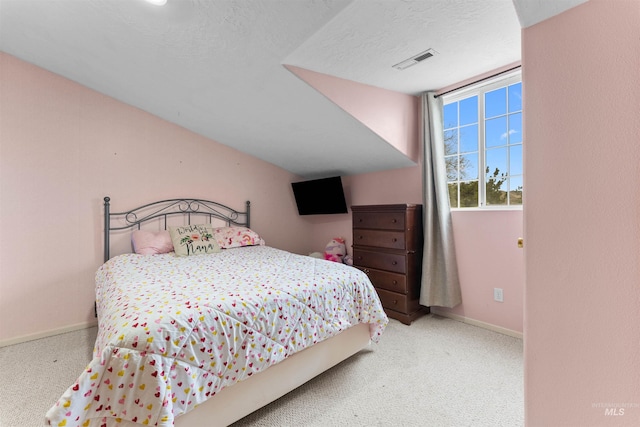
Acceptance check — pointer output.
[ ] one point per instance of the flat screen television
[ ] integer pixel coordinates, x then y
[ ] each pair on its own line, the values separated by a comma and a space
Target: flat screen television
320, 196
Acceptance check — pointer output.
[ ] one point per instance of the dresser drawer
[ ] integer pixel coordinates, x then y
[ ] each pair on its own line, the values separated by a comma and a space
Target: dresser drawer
379, 260
379, 220
390, 281
394, 301
388, 247
379, 238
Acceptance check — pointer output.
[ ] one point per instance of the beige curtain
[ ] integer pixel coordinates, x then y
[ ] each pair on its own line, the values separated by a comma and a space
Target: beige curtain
440, 284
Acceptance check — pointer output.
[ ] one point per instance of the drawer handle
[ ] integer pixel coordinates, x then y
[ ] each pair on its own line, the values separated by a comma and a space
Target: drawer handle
394, 220
361, 237
395, 282
394, 240
394, 263
359, 258
395, 302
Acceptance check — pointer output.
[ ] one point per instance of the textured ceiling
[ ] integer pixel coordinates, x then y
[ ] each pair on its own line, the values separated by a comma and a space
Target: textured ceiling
367, 38
530, 12
216, 66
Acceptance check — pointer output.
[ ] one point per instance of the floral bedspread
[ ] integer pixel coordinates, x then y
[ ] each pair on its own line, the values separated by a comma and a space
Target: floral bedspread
173, 331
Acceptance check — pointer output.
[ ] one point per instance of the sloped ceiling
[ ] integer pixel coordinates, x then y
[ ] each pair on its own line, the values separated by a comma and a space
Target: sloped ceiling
216, 66
531, 12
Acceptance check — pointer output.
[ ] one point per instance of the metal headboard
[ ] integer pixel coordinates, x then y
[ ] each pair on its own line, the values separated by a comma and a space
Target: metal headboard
164, 209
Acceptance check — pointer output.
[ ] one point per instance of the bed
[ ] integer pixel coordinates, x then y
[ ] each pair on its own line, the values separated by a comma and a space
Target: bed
217, 327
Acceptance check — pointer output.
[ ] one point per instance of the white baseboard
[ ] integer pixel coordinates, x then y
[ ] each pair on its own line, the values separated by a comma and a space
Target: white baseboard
85, 325
49, 333
477, 323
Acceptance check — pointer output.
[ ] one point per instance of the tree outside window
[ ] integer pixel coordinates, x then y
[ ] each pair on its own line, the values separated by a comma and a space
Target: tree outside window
483, 145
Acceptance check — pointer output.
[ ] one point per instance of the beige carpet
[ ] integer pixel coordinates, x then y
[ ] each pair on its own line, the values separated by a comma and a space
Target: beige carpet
437, 372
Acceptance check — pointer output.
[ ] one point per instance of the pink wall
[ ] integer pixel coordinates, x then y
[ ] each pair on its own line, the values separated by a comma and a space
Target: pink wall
488, 256
485, 240
486, 245
395, 186
582, 233
391, 115
479, 77
62, 148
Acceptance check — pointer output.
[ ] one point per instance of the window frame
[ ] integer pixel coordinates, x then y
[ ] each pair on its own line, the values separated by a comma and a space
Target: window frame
480, 89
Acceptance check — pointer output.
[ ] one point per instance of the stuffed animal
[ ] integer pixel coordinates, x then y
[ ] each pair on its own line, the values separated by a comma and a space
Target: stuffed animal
335, 250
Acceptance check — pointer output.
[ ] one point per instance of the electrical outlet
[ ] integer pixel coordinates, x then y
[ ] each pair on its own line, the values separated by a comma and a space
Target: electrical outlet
497, 295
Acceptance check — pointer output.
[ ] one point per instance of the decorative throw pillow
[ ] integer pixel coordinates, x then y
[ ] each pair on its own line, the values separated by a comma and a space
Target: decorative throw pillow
193, 239
151, 243
233, 237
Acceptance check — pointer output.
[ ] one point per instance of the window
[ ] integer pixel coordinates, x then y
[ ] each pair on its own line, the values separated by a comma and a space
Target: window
483, 144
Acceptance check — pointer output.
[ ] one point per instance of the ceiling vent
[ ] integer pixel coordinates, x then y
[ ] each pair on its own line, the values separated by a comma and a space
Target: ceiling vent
415, 59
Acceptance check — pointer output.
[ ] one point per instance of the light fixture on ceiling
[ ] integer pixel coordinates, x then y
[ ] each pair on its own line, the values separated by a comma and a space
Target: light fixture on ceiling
415, 59
157, 2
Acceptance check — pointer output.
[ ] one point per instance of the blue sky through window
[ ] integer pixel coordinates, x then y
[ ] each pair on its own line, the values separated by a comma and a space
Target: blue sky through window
469, 159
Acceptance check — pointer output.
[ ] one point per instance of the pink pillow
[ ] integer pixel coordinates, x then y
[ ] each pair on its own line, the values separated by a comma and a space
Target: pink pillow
233, 237
150, 243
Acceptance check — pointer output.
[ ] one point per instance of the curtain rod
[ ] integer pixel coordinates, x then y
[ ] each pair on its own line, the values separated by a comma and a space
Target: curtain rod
478, 81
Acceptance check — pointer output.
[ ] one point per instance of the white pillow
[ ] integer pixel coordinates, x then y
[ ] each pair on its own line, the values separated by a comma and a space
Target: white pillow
193, 239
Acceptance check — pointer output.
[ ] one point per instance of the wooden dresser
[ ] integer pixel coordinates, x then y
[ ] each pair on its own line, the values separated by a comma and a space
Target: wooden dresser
387, 246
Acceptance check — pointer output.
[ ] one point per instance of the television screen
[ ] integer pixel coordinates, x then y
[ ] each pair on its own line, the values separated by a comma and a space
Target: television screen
320, 196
